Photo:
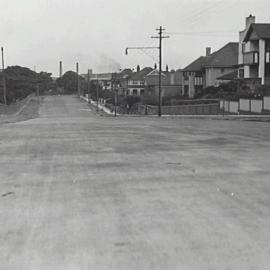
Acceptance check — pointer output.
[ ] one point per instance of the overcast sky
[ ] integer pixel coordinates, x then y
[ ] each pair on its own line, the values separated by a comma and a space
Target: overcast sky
40, 33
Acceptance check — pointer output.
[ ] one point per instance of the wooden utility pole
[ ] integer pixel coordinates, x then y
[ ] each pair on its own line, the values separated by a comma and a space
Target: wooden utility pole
88, 85
160, 37
97, 92
114, 90
4, 78
60, 69
78, 79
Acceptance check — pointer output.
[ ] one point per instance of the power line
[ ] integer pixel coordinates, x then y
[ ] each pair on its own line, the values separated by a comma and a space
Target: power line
209, 33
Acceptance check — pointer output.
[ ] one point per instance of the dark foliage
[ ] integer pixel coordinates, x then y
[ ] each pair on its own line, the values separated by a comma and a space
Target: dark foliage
68, 83
22, 81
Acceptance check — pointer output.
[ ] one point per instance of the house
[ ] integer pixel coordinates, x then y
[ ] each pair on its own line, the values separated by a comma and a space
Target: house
227, 77
205, 70
136, 82
194, 79
254, 52
122, 79
103, 79
171, 83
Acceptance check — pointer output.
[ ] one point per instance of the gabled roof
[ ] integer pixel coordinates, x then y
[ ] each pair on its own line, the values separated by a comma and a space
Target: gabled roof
262, 31
155, 72
124, 74
227, 56
197, 64
139, 76
229, 76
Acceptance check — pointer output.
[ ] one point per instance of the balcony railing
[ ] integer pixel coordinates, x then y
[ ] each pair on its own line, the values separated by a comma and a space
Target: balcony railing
251, 58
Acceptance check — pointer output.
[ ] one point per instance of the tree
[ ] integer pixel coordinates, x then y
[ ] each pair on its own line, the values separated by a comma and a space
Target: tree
69, 83
45, 82
20, 81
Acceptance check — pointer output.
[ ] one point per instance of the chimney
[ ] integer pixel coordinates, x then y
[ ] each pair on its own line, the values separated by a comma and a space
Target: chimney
60, 69
249, 20
167, 68
208, 51
138, 68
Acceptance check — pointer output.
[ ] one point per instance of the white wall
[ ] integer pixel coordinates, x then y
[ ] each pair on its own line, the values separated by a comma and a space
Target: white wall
256, 105
211, 75
262, 59
233, 107
267, 103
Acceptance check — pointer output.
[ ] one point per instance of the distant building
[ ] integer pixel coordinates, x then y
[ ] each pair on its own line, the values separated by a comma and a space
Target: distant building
122, 79
254, 52
104, 79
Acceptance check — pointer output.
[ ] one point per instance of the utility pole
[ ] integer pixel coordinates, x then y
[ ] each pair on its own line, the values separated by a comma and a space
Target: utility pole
60, 69
160, 37
97, 92
114, 89
78, 79
88, 85
4, 78
38, 93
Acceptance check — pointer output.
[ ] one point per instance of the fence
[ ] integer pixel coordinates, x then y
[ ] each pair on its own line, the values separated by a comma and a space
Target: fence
246, 106
199, 109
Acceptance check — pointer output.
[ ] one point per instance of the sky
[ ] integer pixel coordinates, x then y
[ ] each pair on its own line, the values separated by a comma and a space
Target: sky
39, 33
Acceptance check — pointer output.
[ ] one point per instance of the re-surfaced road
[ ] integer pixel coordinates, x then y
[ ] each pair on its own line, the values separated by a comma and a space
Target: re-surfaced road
80, 191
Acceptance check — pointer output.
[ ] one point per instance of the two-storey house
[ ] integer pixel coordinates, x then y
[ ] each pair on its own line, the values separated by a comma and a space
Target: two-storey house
206, 70
254, 52
136, 82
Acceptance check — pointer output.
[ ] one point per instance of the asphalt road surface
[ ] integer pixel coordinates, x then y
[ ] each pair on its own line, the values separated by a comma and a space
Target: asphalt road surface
81, 191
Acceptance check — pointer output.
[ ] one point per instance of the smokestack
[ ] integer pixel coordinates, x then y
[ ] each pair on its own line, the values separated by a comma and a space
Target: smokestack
249, 20
60, 69
138, 68
208, 51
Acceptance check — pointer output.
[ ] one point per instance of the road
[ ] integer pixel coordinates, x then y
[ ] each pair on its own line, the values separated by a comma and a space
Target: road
82, 191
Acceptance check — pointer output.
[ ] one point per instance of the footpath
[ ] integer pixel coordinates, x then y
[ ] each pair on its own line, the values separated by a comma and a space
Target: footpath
240, 117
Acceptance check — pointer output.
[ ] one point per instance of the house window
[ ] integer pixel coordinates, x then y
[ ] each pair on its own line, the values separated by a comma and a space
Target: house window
135, 92
198, 80
142, 92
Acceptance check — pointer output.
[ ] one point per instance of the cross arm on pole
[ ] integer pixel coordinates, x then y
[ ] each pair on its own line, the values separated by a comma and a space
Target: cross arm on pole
139, 48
